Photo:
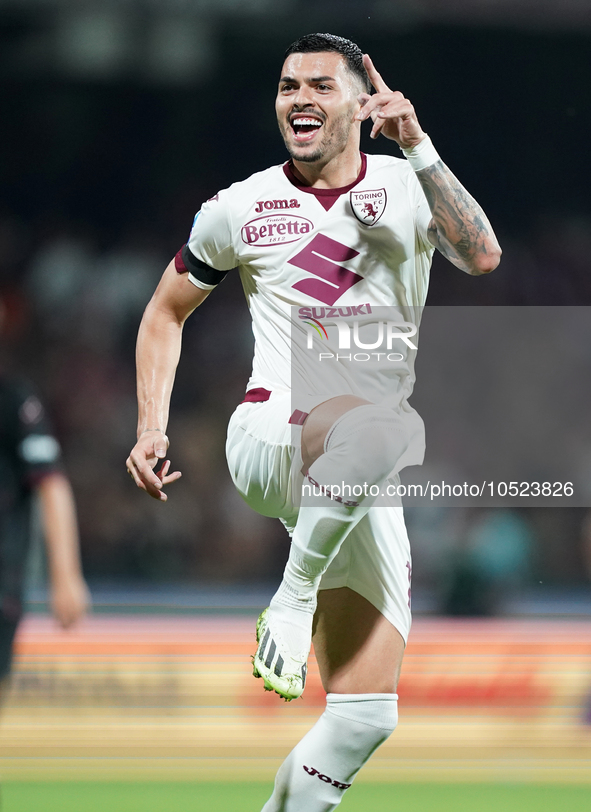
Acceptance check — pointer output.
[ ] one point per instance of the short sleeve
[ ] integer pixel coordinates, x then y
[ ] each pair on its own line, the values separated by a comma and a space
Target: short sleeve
36, 451
421, 212
209, 253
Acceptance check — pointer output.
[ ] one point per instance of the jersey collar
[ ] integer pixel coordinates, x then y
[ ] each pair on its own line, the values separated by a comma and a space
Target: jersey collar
326, 197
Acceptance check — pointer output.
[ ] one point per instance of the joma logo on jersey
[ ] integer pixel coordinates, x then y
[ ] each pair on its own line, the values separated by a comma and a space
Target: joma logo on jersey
276, 204
275, 229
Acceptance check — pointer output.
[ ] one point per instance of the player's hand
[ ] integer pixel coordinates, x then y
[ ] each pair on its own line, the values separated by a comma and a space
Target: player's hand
70, 599
392, 114
151, 447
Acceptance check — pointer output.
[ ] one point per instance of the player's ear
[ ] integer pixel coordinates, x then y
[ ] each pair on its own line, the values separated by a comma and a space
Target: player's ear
361, 101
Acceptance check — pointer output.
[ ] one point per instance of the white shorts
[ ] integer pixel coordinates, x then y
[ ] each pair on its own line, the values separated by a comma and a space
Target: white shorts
264, 459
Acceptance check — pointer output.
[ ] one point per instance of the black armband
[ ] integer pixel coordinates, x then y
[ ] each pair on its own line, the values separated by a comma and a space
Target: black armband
200, 270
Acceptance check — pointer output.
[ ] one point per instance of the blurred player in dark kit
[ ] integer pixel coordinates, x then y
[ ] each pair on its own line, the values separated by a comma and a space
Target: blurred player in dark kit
332, 234
30, 467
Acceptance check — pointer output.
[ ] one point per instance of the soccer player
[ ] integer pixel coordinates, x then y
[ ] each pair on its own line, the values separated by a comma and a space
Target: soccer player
331, 234
30, 466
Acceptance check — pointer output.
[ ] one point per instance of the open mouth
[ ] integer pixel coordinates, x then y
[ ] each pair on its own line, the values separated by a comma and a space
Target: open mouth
305, 127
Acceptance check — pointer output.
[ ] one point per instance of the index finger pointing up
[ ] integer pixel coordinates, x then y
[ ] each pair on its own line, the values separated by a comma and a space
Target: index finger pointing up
374, 76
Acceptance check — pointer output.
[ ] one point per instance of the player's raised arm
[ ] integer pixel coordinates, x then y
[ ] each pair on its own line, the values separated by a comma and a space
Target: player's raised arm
459, 228
157, 356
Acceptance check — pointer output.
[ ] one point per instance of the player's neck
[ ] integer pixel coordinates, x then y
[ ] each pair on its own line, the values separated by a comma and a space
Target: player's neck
336, 173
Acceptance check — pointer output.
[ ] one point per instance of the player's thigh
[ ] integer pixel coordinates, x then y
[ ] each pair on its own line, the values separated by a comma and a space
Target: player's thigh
320, 421
358, 649
260, 455
375, 561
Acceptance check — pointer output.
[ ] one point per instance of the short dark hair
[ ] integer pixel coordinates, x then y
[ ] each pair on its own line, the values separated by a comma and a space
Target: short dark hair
318, 43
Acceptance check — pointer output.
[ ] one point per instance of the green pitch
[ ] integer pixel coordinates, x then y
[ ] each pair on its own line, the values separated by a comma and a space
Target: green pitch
235, 797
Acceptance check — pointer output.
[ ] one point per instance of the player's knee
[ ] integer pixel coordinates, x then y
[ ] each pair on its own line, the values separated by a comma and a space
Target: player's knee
371, 718
371, 440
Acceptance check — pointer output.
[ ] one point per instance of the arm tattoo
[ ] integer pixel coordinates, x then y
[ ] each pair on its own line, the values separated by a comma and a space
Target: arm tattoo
459, 228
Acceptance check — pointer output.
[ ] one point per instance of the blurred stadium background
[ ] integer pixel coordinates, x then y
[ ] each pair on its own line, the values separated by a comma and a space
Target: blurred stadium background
119, 119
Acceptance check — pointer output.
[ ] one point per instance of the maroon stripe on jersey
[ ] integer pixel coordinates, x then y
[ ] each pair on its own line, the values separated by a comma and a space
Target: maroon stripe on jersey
259, 395
326, 197
298, 418
179, 263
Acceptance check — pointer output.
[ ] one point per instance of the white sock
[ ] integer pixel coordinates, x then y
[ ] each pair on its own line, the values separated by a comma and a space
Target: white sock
322, 766
294, 613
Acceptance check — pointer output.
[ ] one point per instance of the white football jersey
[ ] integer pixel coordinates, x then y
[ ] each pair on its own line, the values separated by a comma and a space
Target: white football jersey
311, 260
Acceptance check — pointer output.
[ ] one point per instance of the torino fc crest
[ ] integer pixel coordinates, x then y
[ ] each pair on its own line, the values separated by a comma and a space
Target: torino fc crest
368, 206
